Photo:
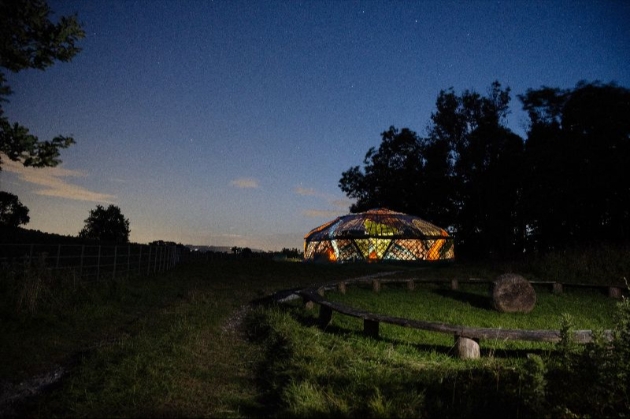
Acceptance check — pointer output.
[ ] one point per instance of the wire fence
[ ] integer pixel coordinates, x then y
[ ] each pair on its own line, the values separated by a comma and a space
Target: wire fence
92, 262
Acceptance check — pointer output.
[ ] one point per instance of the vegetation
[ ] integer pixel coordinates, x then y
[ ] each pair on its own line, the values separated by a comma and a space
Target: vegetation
565, 185
12, 212
30, 40
108, 225
205, 340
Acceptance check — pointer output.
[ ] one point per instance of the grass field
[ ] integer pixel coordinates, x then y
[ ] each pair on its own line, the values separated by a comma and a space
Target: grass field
199, 342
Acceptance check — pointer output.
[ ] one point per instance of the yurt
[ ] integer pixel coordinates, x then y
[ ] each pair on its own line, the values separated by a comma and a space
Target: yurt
378, 235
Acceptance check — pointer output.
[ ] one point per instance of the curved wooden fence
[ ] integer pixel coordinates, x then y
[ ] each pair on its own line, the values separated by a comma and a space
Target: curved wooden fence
466, 338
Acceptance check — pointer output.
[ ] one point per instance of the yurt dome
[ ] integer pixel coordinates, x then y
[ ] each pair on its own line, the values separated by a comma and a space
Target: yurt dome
378, 235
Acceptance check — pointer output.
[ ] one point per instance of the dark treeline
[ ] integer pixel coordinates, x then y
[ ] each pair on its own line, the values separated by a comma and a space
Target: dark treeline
566, 184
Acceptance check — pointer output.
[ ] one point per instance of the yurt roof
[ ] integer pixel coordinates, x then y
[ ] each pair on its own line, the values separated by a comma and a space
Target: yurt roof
378, 222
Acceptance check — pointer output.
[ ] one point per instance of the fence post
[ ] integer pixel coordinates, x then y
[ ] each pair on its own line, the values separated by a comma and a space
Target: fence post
149, 262
140, 261
128, 259
98, 263
115, 261
58, 253
82, 255
30, 256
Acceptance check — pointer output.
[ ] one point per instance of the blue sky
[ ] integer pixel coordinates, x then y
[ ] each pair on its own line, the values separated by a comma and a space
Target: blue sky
229, 123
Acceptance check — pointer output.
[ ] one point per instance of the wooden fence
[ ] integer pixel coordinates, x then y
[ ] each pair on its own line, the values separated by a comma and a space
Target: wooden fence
466, 338
91, 262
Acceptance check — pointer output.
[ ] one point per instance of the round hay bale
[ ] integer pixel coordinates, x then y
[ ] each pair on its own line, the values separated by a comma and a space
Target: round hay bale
511, 293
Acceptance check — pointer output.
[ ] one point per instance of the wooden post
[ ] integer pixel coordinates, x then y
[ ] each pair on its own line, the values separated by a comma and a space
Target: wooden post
376, 285
98, 264
325, 315
370, 328
81, 266
58, 254
466, 348
149, 262
341, 287
557, 288
411, 285
614, 292
454, 284
115, 261
308, 304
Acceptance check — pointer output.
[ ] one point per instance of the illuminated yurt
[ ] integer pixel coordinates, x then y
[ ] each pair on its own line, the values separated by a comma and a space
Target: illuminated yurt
378, 235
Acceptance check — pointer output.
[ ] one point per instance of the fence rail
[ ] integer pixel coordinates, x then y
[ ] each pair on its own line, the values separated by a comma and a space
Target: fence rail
92, 262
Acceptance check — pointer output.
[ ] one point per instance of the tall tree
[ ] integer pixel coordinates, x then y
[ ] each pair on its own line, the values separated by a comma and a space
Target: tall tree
577, 152
12, 212
392, 175
106, 225
480, 161
29, 39
464, 176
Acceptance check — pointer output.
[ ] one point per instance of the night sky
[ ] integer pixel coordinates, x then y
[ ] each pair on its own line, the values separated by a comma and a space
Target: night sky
229, 123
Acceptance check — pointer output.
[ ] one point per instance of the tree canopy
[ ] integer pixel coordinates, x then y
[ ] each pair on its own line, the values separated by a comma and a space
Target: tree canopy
568, 182
106, 225
577, 178
30, 40
12, 212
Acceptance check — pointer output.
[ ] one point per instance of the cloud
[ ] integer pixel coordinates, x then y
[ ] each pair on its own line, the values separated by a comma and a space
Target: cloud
54, 183
315, 213
245, 183
341, 205
306, 191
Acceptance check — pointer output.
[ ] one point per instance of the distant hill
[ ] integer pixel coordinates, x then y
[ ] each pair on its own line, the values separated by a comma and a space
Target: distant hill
218, 249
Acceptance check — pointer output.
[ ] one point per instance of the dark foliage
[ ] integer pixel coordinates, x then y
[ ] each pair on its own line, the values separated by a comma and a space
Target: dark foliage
567, 184
29, 39
107, 225
12, 212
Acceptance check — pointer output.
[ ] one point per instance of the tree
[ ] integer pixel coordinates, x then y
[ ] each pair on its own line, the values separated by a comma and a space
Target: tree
29, 39
464, 176
392, 175
106, 225
480, 160
578, 178
12, 212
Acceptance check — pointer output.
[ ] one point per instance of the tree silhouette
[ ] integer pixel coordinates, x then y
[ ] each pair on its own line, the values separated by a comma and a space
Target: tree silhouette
392, 174
568, 184
29, 39
577, 186
12, 212
106, 225
464, 176
480, 160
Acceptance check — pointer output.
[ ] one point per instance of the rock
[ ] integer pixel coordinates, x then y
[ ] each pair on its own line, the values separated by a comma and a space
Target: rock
511, 293
466, 348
